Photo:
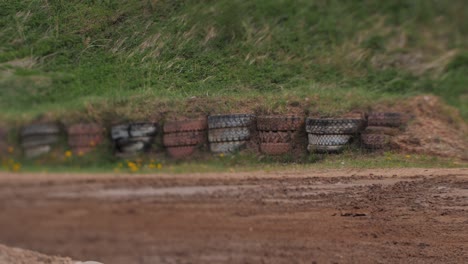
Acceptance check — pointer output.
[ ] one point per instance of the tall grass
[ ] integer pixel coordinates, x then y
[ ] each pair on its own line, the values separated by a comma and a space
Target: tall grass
61, 56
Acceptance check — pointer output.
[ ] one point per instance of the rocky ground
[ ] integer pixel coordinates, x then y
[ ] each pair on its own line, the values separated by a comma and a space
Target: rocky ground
328, 216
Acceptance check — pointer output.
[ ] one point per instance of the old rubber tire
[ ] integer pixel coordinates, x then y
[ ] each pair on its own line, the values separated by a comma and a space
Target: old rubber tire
324, 148
84, 129
328, 140
142, 129
227, 147
185, 125
333, 126
385, 119
228, 134
39, 140
85, 140
279, 123
376, 141
275, 137
120, 132
181, 152
34, 152
188, 138
82, 150
275, 148
133, 147
226, 121
391, 131
40, 129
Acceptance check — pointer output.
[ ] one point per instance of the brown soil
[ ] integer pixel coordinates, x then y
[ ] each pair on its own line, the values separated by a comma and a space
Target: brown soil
327, 216
10, 255
433, 128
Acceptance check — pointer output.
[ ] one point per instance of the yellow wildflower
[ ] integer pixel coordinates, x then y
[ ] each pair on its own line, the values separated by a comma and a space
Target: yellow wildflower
16, 167
159, 166
221, 155
68, 154
408, 156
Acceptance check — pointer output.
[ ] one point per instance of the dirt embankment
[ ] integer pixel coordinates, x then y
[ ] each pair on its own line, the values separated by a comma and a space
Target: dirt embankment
433, 128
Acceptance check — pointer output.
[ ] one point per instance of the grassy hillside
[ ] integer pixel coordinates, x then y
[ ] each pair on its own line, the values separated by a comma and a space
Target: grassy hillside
134, 57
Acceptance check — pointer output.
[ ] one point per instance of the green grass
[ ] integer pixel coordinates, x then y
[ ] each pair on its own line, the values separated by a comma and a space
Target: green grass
106, 59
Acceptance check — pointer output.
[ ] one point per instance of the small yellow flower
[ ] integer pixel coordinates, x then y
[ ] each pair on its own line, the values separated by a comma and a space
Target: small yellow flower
159, 166
16, 167
221, 155
408, 156
152, 166
11, 149
68, 154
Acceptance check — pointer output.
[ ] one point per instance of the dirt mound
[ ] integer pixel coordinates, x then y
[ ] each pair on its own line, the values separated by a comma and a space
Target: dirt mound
433, 128
10, 255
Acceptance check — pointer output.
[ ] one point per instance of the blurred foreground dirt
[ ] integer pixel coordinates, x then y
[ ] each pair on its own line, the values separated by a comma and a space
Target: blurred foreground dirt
327, 216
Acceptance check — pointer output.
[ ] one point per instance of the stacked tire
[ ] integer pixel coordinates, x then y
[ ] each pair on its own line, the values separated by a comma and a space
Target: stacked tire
330, 135
229, 133
278, 133
84, 137
39, 139
182, 138
381, 128
134, 138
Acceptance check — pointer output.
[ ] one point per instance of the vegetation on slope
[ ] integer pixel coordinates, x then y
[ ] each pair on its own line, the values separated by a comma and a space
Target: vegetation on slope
135, 57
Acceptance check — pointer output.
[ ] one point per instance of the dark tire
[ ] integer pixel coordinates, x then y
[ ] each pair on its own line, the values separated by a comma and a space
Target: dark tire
144, 140
376, 141
279, 123
40, 129
333, 126
227, 121
325, 149
385, 119
391, 131
275, 137
328, 140
184, 138
181, 152
39, 140
142, 129
120, 132
36, 151
228, 134
185, 126
133, 147
84, 129
227, 147
275, 148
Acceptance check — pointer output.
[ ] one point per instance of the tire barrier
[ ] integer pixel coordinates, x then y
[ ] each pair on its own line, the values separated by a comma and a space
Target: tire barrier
277, 133
84, 137
229, 133
133, 138
182, 138
382, 127
225, 133
331, 135
38, 139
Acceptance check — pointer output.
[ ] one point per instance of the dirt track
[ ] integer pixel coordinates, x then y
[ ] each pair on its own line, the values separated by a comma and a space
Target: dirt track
334, 216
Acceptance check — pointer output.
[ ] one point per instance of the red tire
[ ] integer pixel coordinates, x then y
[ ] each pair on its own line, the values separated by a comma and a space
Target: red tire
275, 148
185, 125
184, 138
279, 123
181, 152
